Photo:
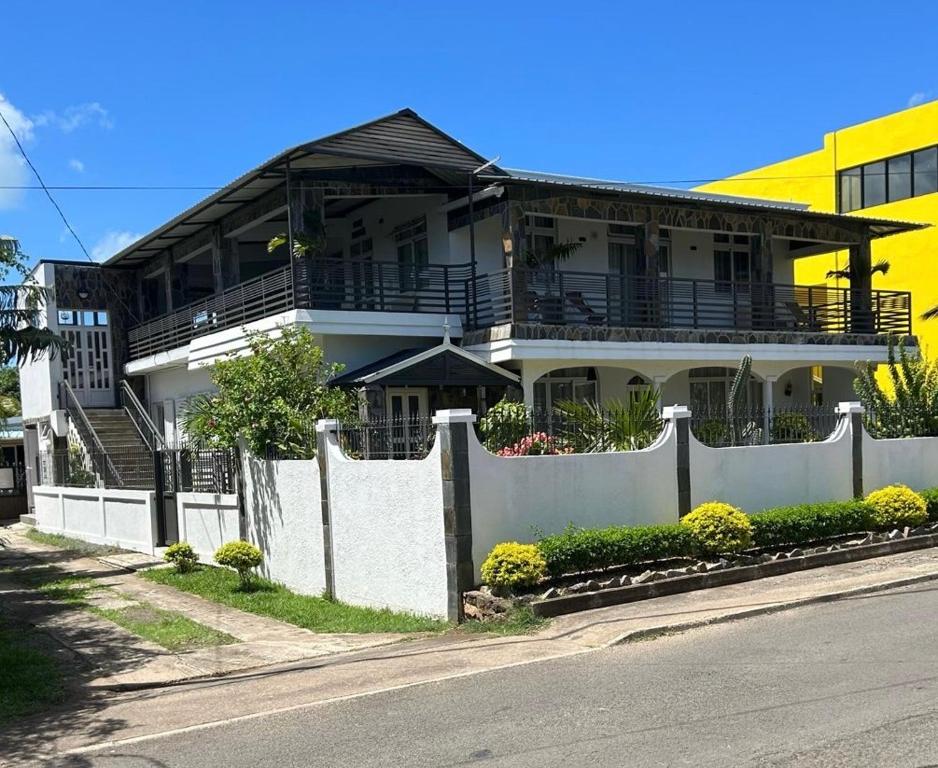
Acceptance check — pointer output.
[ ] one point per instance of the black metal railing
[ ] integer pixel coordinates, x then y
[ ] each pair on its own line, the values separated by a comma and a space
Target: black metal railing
563, 297
100, 463
763, 426
388, 438
204, 470
592, 429
267, 295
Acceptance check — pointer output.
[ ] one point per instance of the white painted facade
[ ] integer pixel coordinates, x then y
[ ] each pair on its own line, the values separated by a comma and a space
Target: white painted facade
207, 520
912, 461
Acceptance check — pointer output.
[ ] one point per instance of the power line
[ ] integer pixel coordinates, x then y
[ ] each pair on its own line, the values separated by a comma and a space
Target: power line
45, 189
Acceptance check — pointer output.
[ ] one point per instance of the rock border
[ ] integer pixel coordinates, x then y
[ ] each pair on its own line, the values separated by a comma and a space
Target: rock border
651, 584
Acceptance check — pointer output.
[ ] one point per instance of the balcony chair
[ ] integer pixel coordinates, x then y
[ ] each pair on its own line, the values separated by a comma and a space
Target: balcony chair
803, 321
590, 315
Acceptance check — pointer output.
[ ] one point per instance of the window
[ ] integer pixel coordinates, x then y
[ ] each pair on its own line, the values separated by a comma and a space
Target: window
413, 254
87, 318
577, 384
709, 388
732, 262
886, 181
626, 258
540, 236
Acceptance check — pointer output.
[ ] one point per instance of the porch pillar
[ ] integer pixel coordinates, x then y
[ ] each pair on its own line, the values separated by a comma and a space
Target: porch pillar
527, 387
659, 380
861, 282
768, 406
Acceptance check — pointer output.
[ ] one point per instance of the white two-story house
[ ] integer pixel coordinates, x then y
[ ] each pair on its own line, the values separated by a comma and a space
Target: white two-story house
442, 281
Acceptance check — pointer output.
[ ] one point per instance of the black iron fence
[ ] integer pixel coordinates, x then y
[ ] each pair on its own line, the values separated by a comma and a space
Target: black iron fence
582, 429
394, 437
763, 426
135, 468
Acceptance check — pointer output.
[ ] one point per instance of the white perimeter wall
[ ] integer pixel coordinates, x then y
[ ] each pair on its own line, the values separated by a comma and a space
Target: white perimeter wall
284, 519
117, 518
207, 520
912, 461
387, 532
754, 478
511, 497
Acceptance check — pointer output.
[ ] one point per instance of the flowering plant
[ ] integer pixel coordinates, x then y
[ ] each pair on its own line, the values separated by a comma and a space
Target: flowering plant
537, 444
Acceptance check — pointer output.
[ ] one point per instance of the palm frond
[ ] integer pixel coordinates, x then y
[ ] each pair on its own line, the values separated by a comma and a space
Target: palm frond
28, 344
928, 314
839, 274
881, 267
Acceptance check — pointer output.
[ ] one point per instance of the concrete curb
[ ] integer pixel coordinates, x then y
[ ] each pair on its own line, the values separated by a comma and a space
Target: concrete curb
649, 632
603, 598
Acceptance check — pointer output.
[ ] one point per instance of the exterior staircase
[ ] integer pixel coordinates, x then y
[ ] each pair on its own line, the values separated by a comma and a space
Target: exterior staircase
129, 454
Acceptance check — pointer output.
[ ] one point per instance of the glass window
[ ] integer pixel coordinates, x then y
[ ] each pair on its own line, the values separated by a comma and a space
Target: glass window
926, 171
900, 177
874, 184
722, 266
851, 189
413, 255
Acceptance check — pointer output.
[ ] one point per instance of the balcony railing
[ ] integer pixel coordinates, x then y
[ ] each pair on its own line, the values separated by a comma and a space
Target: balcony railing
550, 297
586, 298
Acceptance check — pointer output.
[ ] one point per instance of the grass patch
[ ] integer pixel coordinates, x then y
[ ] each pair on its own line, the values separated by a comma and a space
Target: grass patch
267, 598
171, 630
71, 545
518, 621
30, 680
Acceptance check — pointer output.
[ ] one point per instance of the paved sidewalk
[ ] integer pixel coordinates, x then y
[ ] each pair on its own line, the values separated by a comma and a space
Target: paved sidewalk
296, 686
115, 658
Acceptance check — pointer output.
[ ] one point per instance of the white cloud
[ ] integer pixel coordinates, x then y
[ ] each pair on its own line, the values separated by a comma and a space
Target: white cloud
13, 170
111, 242
74, 117
76, 165
919, 97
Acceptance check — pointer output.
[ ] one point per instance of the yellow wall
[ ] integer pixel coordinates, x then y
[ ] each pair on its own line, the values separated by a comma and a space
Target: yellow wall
812, 178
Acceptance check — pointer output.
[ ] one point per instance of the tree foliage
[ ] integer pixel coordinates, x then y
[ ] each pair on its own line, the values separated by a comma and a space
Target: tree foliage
908, 407
588, 427
23, 336
272, 397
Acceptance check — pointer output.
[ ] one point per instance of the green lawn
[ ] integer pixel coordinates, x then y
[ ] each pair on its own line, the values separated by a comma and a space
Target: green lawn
276, 601
29, 679
519, 621
171, 630
72, 545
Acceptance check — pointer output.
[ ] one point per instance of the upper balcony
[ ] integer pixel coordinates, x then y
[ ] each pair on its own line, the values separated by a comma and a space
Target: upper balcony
532, 296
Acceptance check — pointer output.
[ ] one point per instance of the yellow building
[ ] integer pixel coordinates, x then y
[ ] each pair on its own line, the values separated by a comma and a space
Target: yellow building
887, 168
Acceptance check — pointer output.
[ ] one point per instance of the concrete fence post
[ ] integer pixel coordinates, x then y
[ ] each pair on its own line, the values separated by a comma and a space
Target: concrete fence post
325, 427
853, 412
680, 416
453, 434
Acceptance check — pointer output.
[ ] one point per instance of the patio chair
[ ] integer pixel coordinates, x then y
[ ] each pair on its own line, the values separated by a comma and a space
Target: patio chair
803, 321
592, 317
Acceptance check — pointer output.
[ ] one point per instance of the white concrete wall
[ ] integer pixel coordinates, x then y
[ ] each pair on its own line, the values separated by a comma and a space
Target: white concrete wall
762, 476
118, 518
207, 520
283, 511
387, 532
514, 497
912, 461
39, 378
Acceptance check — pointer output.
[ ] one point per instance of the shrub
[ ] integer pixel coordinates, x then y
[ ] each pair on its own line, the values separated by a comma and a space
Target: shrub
182, 556
505, 424
808, 522
792, 428
931, 503
240, 555
589, 549
719, 528
511, 565
538, 444
896, 506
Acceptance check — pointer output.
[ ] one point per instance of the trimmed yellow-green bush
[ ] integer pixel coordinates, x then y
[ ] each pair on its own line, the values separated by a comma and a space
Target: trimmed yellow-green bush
511, 565
719, 528
897, 506
182, 556
240, 555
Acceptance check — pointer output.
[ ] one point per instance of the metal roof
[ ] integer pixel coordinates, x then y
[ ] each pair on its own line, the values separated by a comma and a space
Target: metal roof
404, 137
878, 226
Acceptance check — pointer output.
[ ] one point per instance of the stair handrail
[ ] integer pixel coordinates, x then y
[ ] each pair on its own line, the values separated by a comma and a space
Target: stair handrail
155, 441
86, 431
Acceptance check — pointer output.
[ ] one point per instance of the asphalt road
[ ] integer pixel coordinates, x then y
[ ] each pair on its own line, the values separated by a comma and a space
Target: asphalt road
851, 683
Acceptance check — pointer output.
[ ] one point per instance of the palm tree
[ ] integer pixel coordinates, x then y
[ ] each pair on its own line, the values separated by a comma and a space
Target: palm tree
881, 267
22, 335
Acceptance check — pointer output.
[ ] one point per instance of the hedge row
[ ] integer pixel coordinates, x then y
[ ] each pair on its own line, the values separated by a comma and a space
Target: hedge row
589, 549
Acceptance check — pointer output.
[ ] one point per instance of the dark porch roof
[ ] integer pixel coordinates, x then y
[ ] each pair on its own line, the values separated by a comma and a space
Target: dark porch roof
442, 365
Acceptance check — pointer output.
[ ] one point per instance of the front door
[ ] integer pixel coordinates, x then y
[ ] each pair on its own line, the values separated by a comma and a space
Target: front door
407, 411
87, 365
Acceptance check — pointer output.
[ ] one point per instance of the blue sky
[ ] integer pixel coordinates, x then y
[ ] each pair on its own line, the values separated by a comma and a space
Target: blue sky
192, 94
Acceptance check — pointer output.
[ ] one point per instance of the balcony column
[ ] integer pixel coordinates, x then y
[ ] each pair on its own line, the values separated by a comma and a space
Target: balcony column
861, 294
225, 266
513, 252
763, 299
307, 224
658, 381
648, 237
